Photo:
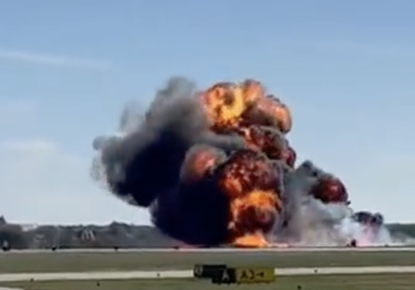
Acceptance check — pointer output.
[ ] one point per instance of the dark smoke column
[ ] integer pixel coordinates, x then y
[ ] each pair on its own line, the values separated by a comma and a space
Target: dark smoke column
215, 166
144, 167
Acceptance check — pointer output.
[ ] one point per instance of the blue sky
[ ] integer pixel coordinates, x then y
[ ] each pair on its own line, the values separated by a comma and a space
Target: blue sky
345, 68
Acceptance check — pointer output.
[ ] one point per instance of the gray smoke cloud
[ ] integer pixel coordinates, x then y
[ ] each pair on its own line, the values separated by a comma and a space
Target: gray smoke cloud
314, 223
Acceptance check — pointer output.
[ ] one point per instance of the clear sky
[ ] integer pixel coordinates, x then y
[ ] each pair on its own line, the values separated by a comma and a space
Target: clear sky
346, 69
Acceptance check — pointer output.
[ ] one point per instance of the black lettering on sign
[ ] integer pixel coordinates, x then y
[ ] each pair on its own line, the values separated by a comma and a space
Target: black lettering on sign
258, 275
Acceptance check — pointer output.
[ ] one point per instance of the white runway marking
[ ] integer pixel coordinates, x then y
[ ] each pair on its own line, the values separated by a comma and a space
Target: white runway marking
189, 273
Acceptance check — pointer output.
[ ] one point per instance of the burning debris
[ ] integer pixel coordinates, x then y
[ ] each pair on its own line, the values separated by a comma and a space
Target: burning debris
216, 167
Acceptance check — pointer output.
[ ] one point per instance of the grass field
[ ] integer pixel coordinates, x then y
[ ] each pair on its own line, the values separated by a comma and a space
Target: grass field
316, 282
67, 262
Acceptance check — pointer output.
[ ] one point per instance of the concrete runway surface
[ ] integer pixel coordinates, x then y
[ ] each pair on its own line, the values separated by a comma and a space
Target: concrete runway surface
189, 273
195, 250
117, 275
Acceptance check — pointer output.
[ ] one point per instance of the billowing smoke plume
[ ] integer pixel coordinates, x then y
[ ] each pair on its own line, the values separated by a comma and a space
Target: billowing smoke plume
215, 167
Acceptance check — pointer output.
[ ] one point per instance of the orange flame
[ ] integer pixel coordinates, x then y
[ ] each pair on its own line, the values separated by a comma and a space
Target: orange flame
253, 215
251, 241
223, 103
245, 171
227, 104
278, 113
247, 177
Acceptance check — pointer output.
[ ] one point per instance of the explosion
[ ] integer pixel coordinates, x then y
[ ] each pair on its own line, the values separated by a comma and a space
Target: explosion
215, 167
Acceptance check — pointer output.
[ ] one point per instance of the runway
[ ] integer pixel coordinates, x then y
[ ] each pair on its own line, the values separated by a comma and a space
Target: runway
201, 250
116, 275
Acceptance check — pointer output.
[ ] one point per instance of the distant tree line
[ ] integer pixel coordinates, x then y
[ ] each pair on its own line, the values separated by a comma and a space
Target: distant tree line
402, 230
115, 235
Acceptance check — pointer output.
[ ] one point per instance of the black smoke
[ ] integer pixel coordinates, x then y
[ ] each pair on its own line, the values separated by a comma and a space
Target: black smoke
368, 218
144, 166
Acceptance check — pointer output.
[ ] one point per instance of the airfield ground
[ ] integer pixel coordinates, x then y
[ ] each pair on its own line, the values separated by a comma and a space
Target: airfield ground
114, 263
68, 261
340, 282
